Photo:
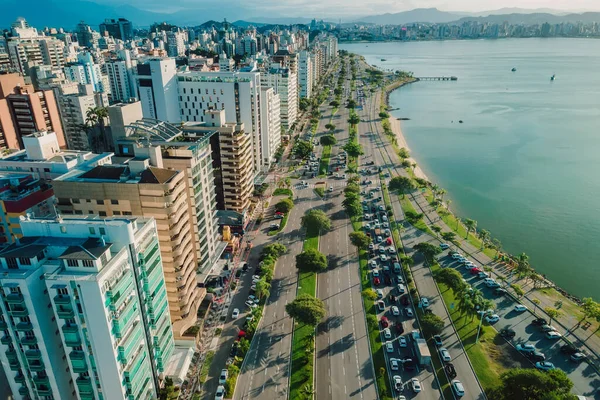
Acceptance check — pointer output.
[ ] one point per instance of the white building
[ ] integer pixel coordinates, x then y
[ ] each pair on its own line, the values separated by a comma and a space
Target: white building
84, 302
270, 119
43, 156
157, 89
176, 43
121, 88
285, 83
238, 93
305, 75
86, 72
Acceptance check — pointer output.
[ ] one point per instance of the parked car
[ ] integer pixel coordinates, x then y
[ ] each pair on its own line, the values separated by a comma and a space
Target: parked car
389, 347
577, 357
539, 322
376, 281
444, 246
553, 335
424, 302
402, 342
387, 333
235, 313
437, 340
544, 365
409, 312
385, 322
381, 305
458, 388
220, 394
520, 308
526, 348
492, 318
536, 356
547, 328
415, 385
394, 364
397, 383
395, 310
450, 370
507, 333
223, 376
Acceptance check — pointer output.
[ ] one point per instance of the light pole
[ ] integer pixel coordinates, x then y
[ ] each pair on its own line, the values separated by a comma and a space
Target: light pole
479, 329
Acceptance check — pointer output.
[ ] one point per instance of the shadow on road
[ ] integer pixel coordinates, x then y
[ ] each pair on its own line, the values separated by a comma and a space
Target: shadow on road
332, 322
339, 346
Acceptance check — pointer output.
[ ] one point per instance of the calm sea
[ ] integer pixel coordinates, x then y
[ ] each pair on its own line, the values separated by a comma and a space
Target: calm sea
526, 161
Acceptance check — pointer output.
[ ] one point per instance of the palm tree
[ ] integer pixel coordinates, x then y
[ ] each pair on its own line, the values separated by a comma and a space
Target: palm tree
497, 245
553, 313
537, 303
471, 225
95, 120
413, 165
441, 193
523, 264
484, 235
263, 288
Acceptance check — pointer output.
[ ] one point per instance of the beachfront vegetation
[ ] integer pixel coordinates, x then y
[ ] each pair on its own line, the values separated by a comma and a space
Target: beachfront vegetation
403, 153
533, 384
401, 184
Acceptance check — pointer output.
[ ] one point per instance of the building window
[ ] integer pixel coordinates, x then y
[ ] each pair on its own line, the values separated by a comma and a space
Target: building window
183, 90
92, 231
102, 231
114, 202
77, 212
102, 213
88, 263
24, 261
126, 213
99, 201
62, 291
72, 263
11, 262
75, 201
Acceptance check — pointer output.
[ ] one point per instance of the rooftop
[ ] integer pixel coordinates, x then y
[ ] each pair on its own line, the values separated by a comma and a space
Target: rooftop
111, 173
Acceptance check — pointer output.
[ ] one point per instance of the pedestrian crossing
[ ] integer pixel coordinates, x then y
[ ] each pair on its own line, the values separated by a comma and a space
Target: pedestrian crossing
336, 183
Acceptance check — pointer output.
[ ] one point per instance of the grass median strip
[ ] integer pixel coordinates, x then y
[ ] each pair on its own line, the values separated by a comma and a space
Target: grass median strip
324, 165
302, 360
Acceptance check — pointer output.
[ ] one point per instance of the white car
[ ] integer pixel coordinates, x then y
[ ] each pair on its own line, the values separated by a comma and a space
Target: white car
483, 274
391, 250
520, 308
456, 256
492, 318
381, 305
415, 385
397, 383
223, 377
220, 394
387, 333
544, 365
250, 304
458, 388
553, 335
389, 347
373, 264
424, 302
383, 258
445, 354
394, 364
331, 188
395, 310
379, 293
444, 246
375, 273
235, 313
409, 312
526, 347
256, 277
402, 341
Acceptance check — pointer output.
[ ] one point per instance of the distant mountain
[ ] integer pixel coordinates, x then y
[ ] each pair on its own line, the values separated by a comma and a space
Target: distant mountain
517, 10
536, 18
432, 15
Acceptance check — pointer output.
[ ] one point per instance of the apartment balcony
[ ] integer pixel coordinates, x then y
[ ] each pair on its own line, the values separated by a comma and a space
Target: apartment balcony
23, 391
14, 366
37, 366
70, 328
33, 354
41, 380
80, 367
3, 325
65, 314
14, 298
20, 378
77, 355
24, 326
72, 341
28, 341
19, 313
5, 340
84, 385
46, 391
62, 299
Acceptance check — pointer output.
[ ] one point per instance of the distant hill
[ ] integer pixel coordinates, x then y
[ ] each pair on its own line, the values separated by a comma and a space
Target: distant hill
517, 10
535, 18
432, 15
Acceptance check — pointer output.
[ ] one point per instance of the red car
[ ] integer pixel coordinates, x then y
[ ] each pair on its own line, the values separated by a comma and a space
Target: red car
376, 281
388, 241
278, 213
475, 270
399, 328
385, 322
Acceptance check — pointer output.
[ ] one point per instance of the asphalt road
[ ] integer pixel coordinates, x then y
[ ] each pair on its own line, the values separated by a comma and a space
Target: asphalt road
585, 379
343, 369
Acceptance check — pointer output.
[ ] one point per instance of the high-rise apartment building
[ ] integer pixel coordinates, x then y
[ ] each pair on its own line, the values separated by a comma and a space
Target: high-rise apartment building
84, 310
157, 89
24, 111
119, 29
140, 189
305, 75
238, 93
285, 83
176, 43
232, 160
86, 37
119, 75
270, 116
86, 72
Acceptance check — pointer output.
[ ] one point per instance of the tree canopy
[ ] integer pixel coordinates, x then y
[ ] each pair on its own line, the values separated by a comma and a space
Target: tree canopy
353, 148
360, 240
274, 250
452, 278
303, 148
306, 309
284, 206
328, 140
354, 119
403, 153
427, 249
449, 236
311, 260
401, 184
533, 384
316, 219
432, 324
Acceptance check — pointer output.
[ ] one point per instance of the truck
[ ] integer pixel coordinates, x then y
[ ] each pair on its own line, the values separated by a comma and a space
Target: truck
422, 351
377, 232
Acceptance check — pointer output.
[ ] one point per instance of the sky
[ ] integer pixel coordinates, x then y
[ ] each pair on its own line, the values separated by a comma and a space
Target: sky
340, 8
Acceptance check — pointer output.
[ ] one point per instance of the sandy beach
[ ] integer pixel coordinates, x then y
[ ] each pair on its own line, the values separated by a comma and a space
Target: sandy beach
397, 129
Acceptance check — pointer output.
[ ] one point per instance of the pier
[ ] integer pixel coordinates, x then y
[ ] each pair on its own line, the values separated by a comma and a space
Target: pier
437, 78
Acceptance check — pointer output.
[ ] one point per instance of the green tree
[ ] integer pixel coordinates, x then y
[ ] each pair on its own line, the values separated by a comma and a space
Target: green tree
351, 104
334, 103
553, 313
589, 308
471, 225
168, 392
523, 266
328, 140
484, 236
302, 149
284, 206
311, 260
403, 153
432, 324
262, 288
352, 206
330, 127
316, 219
441, 194
406, 163
452, 278
353, 148
427, 249
306, 309
360, 240
371, 295
537, 303
303, 104
401, 184
533, 384
518, 290
244, 346
354, 119
384, 114
274, 250
95, 126
436, 228
352, 189
449, 236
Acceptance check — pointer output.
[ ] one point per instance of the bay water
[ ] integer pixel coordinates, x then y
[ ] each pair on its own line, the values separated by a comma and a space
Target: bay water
525, 162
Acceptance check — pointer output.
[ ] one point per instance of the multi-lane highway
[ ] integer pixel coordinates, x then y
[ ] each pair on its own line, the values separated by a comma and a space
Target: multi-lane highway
343, 369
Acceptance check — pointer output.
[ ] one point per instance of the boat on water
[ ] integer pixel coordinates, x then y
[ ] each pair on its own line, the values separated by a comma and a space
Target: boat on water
514, 69
383, 59
553, 77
